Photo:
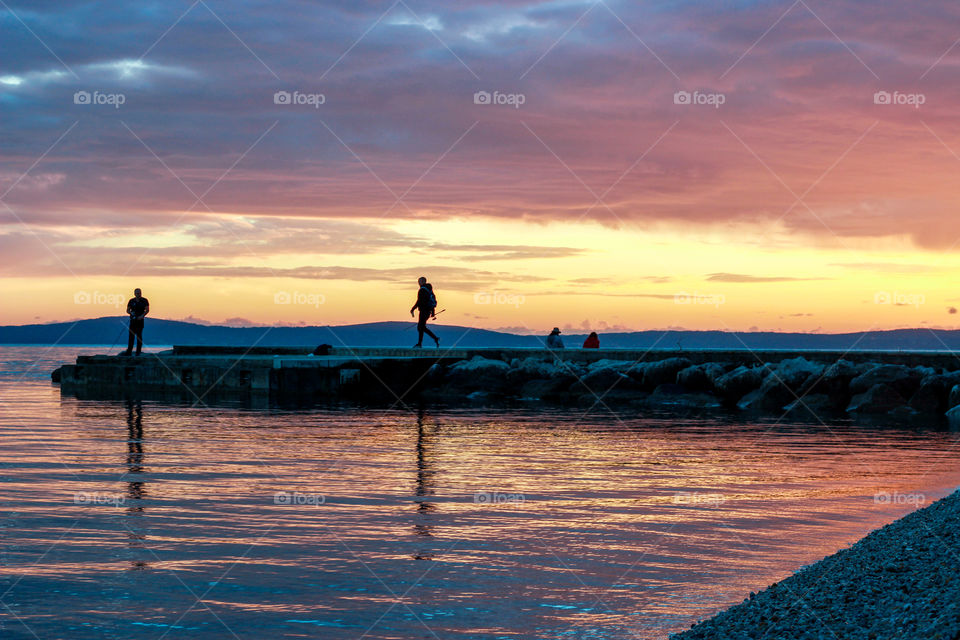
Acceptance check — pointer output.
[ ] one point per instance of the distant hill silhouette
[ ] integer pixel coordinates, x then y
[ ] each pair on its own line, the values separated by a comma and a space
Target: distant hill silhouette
106, 331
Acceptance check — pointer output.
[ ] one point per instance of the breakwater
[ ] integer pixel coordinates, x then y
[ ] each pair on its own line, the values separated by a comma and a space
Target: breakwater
868, 383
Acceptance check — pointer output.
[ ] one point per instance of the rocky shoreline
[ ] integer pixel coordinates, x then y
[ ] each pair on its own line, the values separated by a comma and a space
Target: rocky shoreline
901, 581
796, 386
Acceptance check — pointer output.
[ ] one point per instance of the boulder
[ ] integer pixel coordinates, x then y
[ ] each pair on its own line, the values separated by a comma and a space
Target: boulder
835, 381
931, 396
663, 371
734, 385
880, 398
478, 373
675, 395
953, 417
771, 396
811, 407
527, 369
436, 375
547, 389
953, 399
600, 381
700, 377
570, 368
782, 385
794, 372
617, 365
904, 380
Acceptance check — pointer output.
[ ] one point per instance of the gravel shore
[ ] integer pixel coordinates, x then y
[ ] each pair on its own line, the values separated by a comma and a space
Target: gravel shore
901, 581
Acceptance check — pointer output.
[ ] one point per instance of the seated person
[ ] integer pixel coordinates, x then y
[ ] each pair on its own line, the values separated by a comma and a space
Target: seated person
553, 340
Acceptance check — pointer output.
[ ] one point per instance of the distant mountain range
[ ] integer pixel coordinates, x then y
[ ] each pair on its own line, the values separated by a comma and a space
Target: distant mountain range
111, 330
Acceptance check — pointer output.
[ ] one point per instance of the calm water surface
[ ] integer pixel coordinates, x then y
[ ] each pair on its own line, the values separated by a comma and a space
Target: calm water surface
148, 520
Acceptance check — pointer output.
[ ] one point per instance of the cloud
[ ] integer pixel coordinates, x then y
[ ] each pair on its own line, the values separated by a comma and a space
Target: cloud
599, 136
224, 246
745, 278
888, 267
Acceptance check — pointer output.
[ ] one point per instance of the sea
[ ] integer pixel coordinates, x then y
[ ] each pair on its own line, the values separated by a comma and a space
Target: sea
142, 519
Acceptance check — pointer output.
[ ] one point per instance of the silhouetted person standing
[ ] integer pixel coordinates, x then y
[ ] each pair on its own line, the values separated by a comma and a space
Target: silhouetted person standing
427, 304
137, 308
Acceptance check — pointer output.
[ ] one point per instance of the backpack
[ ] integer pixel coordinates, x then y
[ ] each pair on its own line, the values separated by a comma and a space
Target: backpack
433, 299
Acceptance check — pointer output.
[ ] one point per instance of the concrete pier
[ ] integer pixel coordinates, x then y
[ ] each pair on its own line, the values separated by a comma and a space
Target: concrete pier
364, 372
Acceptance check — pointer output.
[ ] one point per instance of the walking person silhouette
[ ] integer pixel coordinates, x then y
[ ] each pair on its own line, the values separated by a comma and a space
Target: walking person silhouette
427, 304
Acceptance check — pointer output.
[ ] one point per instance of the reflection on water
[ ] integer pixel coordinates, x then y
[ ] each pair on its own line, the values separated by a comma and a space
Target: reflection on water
134, 475
136, 519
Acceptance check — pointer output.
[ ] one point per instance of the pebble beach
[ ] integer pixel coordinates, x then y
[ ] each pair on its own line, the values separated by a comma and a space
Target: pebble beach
900, 581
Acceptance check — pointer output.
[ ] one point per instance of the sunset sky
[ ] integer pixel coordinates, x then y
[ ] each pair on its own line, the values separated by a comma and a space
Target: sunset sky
608, 165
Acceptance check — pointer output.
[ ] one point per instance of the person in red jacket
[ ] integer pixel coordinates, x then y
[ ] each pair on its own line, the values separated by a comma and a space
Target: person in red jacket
592, 341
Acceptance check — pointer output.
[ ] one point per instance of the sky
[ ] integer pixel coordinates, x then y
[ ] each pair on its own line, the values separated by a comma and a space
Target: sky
605, 165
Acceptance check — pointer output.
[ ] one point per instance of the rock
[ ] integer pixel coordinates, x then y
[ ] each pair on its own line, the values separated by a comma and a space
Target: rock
617, 365
835, 382
771, 396
811, 407
794, 372
479, 364
953, 416
734, 385
478, 373
880, 398
954, 398
55, 376
663, 371
931, 397
902, 379
436, 375
602, 380
700, 377
675, 395
547, 389
781, 385
522, 371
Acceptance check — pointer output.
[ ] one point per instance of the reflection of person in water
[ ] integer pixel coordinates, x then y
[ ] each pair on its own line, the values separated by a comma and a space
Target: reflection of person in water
424, 475
134, 451
135, 485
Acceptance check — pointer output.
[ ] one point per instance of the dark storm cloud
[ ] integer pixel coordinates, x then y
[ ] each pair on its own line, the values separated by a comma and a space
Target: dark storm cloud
399, 134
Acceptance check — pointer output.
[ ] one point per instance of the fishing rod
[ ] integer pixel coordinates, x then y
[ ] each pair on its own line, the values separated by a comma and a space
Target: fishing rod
434, 317
122, 330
